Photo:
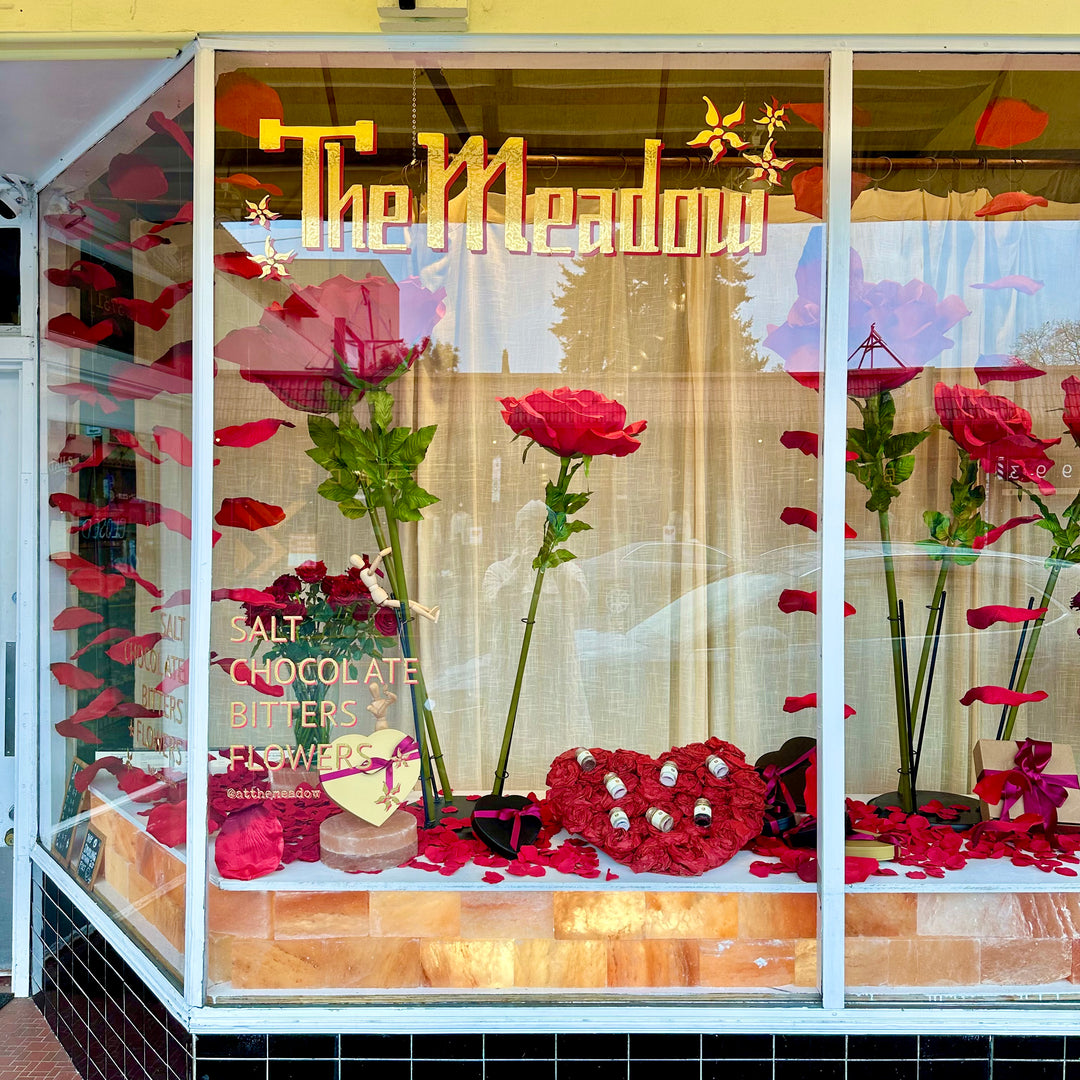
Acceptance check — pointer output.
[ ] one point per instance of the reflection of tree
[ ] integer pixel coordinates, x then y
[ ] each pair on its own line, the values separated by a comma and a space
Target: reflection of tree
1053, 343
442, 358
631, 313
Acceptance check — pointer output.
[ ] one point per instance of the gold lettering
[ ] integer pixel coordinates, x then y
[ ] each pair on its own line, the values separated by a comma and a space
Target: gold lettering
689, 219
639, 208
546, 218
338, 201
383, 218
602, 241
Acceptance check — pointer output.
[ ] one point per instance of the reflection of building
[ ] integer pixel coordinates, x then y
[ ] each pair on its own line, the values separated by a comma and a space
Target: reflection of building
674, 635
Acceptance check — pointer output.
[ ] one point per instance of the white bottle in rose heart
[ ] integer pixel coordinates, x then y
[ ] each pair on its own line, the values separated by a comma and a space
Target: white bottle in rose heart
618, 818
669, 774
659, 819
616, 788
585, 759
717, 766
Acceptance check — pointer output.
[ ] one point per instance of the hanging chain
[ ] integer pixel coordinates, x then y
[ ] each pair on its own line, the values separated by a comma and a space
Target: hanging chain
413, 144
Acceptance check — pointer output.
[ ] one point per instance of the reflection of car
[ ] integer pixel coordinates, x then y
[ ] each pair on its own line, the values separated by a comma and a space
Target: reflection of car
630, 583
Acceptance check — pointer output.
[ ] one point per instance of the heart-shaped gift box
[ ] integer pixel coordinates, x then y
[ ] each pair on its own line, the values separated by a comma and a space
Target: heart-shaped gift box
371, 775
581, 802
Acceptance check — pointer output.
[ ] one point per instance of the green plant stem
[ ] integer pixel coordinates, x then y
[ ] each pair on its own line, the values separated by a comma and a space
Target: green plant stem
1033, 641
421, 686
515, 697
928, 635
402, 595
907, 796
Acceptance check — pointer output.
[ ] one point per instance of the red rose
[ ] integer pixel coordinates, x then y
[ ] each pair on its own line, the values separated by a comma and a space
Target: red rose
386, 622
573, 423
369, 327
1071, 416
310, 572
343, 591
284, 587
996, 432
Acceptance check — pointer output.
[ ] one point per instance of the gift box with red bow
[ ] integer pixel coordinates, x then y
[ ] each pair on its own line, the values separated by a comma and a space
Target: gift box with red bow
1027, 777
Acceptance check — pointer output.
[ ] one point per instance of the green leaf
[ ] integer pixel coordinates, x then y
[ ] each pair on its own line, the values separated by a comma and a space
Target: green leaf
902, 444
899, 470
578, 526
562, 555
381, 403
322, 457
340, 486
413, 450
323, 431
411, 496
352, 509
937, 523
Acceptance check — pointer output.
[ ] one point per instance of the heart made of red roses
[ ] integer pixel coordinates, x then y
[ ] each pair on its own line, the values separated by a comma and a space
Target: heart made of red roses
582, 801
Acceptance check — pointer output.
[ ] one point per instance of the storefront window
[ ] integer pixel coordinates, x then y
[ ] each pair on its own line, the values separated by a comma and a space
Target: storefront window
414, 264
963, 402
116, 373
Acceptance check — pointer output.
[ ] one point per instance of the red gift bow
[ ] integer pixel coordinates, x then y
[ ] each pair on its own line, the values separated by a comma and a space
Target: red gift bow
775, 788
1042, 792
406, 750
511, 813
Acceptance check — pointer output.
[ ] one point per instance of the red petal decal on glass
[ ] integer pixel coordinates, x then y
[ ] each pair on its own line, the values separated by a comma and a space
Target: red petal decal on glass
1026, 285
98, 454
76, 225
241, 102
807, 189
169, 374
71, 618
178, 598
167, 823
89, 395
128, 439
171, 295
1000, 695
184, 216
991, 367
248, 596
81, 781
792, 600
179, 677
82, 274
1008, 122
70, 504
249, 434
796, 515
243, 674
144, 243
1011, 202
174, 443
142, 312
74, 677
981, 618
238, 264
132, 709
71, 730
113, 634
247, 513
130, 649
69, 561
159, 122
995, 534
71, 331
97, 583
243, 179
136, 177
99, 706
132, 575
809, 701
806, 441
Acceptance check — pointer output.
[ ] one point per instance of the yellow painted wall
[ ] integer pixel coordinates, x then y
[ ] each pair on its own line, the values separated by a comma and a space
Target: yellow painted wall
979, 18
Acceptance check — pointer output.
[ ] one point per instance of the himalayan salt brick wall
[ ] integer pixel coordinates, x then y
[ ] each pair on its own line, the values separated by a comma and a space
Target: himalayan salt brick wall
505, 939
142, 881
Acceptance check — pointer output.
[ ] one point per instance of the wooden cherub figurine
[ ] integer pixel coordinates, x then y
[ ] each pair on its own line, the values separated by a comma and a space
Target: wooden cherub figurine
380, 596
380, 704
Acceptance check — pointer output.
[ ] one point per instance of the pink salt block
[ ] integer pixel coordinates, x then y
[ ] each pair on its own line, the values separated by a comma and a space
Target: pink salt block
351, 844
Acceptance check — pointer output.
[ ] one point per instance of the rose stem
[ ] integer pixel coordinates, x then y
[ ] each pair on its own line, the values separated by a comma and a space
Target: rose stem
511, 716
929, 636
907, 800
1033, 641
402, 595
421, 686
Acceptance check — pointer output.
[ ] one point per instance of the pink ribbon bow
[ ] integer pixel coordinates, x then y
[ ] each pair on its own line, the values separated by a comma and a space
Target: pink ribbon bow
406, 750
1042, 792
775, 788
510, 813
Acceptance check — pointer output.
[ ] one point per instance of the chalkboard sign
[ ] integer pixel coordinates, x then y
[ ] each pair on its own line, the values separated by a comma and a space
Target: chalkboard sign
90, 859
71, 807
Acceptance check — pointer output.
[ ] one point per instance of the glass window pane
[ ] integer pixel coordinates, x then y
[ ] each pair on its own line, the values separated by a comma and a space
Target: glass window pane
962, 492
116, 363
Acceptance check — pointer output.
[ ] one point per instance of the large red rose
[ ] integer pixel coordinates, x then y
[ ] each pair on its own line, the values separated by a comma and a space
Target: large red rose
369, 327
343, 591
1071, 416
996, 432
573, 423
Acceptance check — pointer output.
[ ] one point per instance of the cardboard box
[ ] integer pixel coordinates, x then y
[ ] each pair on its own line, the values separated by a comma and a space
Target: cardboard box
992, 756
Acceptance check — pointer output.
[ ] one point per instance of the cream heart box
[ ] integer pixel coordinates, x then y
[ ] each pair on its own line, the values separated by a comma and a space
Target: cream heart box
370, 775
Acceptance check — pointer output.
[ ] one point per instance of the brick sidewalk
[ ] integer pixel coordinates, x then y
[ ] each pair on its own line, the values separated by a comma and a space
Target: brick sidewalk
28, 1049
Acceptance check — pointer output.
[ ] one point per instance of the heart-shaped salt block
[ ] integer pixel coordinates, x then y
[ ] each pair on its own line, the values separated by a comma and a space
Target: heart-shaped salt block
582, 802
370, 775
